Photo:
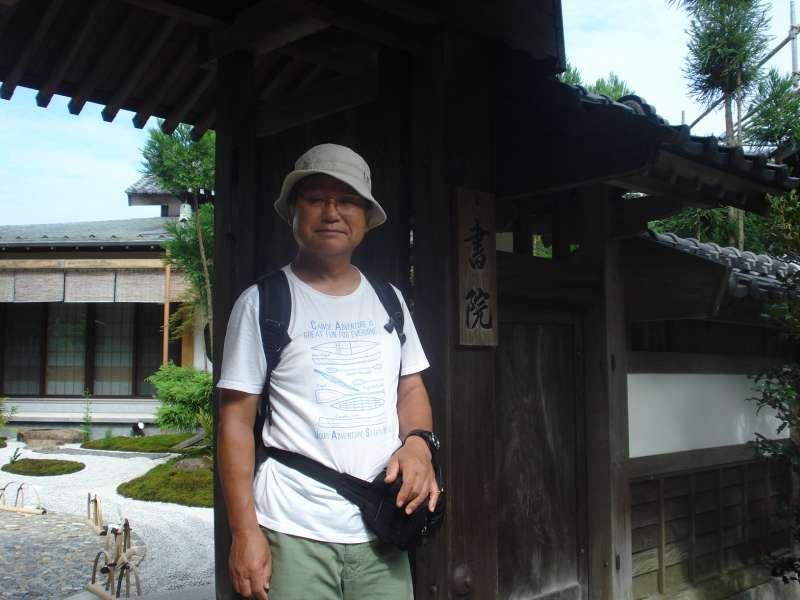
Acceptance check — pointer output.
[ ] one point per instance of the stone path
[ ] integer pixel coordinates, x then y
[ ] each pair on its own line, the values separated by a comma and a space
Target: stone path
45, 556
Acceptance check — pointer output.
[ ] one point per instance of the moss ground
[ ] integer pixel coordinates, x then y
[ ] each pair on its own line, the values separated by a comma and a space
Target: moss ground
43, 466
2, 442
166, 483
148, 443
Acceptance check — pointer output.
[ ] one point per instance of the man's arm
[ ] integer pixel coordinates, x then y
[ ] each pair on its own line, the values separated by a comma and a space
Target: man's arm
413, 460
250, 560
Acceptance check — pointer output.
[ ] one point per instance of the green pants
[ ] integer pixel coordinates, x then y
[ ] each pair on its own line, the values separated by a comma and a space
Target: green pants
304, 569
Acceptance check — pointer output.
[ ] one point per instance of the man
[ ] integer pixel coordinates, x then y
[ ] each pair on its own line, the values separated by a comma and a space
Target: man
338, 396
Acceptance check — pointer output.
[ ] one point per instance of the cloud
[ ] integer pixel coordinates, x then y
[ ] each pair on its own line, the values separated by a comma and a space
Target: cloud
645, 44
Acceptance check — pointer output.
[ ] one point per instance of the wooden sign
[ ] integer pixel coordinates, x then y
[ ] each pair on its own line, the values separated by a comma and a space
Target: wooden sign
477, 268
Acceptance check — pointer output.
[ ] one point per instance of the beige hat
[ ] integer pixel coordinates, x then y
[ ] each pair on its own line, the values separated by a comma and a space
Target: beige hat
339, 162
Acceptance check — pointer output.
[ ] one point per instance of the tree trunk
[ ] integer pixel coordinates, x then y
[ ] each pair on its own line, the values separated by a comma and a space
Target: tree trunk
206, 276
739, 212
733, 219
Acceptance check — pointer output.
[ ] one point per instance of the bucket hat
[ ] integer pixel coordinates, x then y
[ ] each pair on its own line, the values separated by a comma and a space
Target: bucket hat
341, 163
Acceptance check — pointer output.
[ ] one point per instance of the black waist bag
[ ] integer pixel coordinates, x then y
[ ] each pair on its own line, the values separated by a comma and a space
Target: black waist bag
376, 500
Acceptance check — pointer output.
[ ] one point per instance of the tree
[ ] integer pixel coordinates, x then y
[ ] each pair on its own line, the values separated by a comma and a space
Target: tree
776, 113
612, 85
727, 41
571, 75
778, 388
186, 168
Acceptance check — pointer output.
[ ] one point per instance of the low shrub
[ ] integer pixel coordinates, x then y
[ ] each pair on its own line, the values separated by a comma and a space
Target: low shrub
2, 442
39, 467
167, 483
148, 443
184, 392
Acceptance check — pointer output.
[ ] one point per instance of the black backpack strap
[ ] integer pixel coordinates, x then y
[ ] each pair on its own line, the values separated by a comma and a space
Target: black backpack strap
274, 312
391, 303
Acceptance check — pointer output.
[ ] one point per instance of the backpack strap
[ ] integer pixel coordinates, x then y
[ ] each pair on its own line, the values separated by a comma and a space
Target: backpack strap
274, 313
391, 303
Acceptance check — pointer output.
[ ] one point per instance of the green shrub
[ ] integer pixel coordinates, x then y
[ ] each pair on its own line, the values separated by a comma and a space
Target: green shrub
43, 466
5, 412
148, 443
2, 442
167, 483
184, 392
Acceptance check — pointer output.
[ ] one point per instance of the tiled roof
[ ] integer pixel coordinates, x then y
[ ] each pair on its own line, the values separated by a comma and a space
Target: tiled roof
751, 274
126, 232
147, 184
701, 149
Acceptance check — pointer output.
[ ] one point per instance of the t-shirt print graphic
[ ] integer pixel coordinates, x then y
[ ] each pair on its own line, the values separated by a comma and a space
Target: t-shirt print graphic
351, 388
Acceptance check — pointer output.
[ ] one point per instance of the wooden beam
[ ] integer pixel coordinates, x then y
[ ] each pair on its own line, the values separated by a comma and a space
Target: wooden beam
248, 31
18, 69
610, 567
323, 99
65, 59
235, 229
135, 75
118, 47
187, 15
648, 467
314, 50
367, 24
684, 362
177, 69
180, 111
203, 124
26, 264
279, 81
307, 79
416, 12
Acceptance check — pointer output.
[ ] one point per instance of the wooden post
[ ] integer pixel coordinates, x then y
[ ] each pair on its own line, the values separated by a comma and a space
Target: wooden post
452, 148
235, 229
165, 335
610, 568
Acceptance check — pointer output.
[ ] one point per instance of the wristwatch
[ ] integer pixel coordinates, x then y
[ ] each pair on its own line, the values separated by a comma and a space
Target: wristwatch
430, 438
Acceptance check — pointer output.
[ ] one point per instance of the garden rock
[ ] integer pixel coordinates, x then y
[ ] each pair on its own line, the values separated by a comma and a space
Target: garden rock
50, 438
193, 464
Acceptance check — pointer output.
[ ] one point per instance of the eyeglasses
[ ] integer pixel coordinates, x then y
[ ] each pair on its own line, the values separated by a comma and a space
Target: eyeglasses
345, 204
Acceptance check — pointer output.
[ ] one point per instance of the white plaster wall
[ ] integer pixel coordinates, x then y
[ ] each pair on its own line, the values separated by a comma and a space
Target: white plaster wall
677, 412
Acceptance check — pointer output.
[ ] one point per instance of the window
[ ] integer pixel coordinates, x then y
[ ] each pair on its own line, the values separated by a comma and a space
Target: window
66, 349
21, 348
113, 349
148, 346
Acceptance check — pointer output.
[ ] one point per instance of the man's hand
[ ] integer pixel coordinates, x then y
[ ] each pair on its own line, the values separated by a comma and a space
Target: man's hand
250, 564
412, 462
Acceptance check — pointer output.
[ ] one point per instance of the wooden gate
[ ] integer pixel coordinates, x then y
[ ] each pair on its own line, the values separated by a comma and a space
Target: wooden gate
540, 454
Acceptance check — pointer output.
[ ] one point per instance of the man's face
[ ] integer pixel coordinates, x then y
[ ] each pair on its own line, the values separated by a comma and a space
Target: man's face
329, 217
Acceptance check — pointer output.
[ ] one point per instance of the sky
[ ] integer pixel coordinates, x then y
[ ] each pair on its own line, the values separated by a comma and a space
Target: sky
56, 167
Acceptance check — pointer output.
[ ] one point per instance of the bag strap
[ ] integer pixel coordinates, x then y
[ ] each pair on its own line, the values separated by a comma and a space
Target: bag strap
356, 490
274, 312
391, 303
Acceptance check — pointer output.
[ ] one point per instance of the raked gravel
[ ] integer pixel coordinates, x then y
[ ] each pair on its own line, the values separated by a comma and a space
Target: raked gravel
179, 539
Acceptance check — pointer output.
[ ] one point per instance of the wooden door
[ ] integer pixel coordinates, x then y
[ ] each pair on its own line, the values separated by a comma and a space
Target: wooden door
540, 454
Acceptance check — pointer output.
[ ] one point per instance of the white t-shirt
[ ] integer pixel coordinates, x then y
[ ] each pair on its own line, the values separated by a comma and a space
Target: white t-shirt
333, 397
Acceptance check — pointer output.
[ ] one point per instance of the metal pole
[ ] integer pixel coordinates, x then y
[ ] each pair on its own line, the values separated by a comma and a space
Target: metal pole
792, 35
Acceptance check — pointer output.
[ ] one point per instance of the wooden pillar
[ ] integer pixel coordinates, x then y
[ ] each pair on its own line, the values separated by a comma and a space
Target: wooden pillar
234, 232
165, 328
610, 570
452, 147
